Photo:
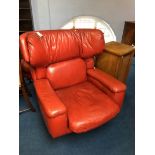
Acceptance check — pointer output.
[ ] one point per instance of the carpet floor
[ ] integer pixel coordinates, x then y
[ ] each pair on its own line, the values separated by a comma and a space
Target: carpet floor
116, 137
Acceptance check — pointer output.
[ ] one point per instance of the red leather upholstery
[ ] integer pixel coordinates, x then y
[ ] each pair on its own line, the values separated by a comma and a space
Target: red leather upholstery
60, 45
112, 87
73, 95
47, 96
87, 106
89, 63
91, 42
53, 47
56, 71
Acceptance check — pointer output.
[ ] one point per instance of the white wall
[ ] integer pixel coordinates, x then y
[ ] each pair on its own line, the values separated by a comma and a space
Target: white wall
52, 14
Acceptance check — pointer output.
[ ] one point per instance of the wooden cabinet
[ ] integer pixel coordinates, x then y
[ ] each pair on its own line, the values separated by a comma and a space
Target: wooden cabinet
128, 36
116, 60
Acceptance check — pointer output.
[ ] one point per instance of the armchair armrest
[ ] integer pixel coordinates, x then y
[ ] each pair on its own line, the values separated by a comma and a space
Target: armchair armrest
107, 80
111, 86
49, 101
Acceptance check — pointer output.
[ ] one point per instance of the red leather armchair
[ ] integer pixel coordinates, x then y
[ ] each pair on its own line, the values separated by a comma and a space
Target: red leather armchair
73, 95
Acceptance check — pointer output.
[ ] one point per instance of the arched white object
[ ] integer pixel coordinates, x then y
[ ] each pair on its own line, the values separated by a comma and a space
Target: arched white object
91, 22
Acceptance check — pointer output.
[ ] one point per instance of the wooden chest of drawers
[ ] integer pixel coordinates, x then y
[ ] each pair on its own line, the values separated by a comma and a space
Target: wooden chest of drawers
116, 60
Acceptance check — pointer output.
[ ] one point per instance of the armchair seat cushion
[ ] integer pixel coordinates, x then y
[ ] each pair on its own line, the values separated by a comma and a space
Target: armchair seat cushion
87, 106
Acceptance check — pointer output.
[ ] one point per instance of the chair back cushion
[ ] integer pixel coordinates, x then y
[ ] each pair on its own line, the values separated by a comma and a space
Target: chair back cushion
66, 73
42, 48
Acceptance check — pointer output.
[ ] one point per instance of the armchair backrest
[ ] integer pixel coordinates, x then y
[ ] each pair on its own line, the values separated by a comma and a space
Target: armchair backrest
41, 48
44, 50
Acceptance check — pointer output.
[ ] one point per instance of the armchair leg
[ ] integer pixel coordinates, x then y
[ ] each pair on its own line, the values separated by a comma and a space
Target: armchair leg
27, 100
24, 92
